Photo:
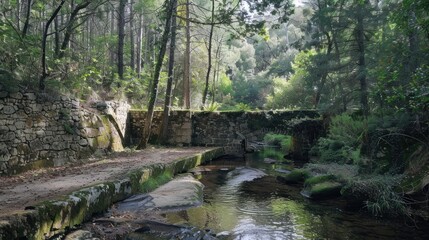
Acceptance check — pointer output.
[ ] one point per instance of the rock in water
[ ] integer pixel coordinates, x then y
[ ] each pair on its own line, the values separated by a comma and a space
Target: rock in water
270, 160
80, 235
182, 192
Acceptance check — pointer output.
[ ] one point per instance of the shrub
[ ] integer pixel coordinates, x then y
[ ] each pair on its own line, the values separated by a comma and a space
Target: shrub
347, 130
377, 193
344, 141
272, 153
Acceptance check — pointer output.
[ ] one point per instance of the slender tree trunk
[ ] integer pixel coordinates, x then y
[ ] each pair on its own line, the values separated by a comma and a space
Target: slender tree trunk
140, 46
163, 136
154, 90
187, 64
216, 72
57, 36
44, 40
360, 40
133, 47
27, 18
121, 37
325, 72
112, 32
70, 27
209, 49
18, 15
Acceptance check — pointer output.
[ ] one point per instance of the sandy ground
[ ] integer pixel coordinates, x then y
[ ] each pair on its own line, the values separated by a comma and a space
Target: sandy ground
29, 188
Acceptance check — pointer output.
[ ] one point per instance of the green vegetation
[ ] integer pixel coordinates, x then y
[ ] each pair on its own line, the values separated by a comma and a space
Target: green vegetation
343, 143
296, 176
279, 140
378, 194
318, 179
363, 64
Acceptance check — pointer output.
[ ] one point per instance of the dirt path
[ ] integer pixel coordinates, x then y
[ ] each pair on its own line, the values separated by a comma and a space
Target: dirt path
17, 192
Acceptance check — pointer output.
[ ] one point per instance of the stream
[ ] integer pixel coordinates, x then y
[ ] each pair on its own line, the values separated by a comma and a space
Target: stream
266, 209
243, 200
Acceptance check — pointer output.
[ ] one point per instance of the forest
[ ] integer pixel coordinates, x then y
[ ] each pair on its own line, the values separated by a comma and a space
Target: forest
363, 64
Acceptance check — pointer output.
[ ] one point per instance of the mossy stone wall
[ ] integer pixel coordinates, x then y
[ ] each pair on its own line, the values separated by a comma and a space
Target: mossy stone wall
40, 130
226, 129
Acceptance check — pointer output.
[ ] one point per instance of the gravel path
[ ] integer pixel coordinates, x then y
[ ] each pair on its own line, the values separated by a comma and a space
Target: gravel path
29, 188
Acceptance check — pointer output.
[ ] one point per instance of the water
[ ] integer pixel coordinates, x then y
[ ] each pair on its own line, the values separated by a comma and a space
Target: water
241, 201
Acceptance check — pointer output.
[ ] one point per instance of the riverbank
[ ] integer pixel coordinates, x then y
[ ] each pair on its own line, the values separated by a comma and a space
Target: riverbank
42, 203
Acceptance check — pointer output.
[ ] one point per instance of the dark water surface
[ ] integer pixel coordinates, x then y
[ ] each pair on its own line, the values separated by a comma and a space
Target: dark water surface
264, 209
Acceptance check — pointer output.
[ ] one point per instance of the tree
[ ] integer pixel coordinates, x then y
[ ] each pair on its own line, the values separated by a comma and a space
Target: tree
121, 37
187, 61
154, 90
45, 73
169, 92
209, 49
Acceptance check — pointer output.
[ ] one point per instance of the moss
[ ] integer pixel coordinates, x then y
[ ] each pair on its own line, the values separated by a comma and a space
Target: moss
327, 189
296, 176
319, 179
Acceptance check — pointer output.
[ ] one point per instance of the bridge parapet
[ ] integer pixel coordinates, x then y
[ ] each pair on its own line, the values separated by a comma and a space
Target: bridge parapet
226, 129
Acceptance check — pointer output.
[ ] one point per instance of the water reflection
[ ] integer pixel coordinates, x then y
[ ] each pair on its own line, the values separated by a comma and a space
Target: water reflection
265, 209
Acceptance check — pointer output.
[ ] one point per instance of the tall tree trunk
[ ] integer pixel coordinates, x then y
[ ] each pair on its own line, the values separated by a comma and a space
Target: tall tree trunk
133, 47
112, 32
27, 18
44, 40
121, 37
140, 46
154, 90
217, 69
209, 49
163, 135
18, 15
187, 64
57, 36
70, 27
325, 72
360, 40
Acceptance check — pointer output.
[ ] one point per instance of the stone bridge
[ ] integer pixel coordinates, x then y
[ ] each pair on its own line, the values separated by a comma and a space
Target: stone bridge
213, 129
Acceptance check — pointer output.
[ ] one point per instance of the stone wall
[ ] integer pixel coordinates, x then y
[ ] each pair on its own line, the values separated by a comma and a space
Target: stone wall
179, 128
226, 129
40, 130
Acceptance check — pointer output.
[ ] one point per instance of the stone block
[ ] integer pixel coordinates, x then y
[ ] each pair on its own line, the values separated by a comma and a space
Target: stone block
10, 136
40, 133
8, 110
67, 137
83, 142
30, 96
36, 107
36, 145
16, 95
4, 157
30, 136
60, 145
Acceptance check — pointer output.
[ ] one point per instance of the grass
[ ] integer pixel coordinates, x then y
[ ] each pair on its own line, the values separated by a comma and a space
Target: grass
378, 194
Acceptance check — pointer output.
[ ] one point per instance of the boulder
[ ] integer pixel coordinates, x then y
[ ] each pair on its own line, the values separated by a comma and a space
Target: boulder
324, 190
